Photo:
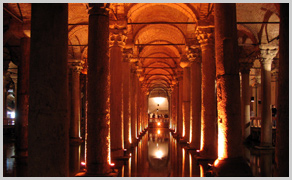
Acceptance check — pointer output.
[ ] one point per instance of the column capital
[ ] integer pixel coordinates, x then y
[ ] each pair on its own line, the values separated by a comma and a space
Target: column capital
194, 53
76, 65
127, 54
98, 9
267, 53
118, 36
205, 35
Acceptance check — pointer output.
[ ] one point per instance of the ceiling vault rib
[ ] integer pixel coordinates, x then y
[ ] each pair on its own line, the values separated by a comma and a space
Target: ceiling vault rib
179, 44
13, 15
155, 57
257, 22
162, 23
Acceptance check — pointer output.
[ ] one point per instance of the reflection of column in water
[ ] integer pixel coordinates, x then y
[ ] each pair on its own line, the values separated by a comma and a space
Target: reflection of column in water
183, 162
179, 159
187, 164
130, 165
266, 163
247, 154
253, 164
202, 171
194, 167
74, 161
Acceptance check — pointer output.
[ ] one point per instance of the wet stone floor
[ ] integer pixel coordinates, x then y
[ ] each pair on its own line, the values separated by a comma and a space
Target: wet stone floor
157, 154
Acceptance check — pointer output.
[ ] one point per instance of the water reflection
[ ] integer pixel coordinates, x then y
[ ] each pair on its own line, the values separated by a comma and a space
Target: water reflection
158, 154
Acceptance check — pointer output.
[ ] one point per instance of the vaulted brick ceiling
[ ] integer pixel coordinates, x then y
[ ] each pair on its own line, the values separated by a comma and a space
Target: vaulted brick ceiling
158, 33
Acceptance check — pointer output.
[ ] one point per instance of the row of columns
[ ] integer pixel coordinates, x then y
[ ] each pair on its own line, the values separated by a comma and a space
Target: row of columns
49, 114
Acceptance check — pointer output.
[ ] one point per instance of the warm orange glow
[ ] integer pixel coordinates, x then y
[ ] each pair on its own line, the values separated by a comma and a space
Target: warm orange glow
159, 100
130, 137
158, 131
158, 123
123, 171
109, 145
202, 137
83, 163
191, 130
201, 171
216, 162
130, 165
222, 142
159, 154
184, 128
191, 164
112, 164
183, 161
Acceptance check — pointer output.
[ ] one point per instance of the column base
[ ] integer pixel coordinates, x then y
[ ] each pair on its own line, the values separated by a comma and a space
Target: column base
264, 147
231, 167
75, 141
85, 174
183, 140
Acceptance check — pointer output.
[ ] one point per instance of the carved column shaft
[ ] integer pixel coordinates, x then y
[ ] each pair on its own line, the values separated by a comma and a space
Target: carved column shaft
267, 55
208, 121
196, 80
179, 105
75, 67
23, 98
98, 92
117, 41
245, 98
126, 97
48, 140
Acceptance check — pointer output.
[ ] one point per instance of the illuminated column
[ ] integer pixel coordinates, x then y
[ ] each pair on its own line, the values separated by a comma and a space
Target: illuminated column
75, 67
127, 54
179, 104
267, 55
282, 136
230, 160
48, 131
22, 99
184, 63
117, 42
196, 81
98, 92
245, 65
208, 111
133, 107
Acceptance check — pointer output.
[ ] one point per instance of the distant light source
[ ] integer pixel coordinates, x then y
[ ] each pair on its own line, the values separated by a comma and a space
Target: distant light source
159, 100
158, 123
83, 163
159, 154
112, 164
158, 131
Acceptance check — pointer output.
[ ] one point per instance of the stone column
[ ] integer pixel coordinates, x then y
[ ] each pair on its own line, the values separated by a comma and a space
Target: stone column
186, 99
196, 81
179, 105
245, 65
117, 42
127, 54
208, 111
282, 132
230, 160
48, 140
75, 67
267, 55
23, 98
98, 92
133, 107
